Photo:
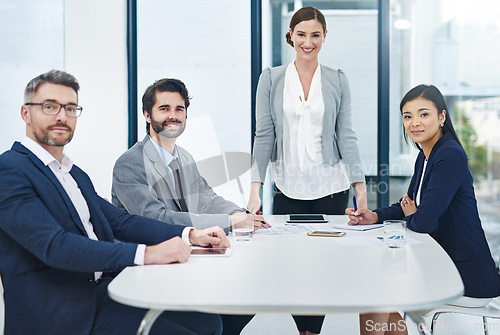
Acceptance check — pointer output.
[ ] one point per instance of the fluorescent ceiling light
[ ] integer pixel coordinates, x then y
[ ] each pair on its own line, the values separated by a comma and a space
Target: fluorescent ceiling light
402, 24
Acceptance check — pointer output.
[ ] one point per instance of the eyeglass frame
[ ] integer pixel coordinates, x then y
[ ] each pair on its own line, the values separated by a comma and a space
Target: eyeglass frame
78, 108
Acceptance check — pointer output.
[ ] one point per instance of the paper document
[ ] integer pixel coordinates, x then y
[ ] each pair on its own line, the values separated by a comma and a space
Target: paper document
358, 240
287, 230
368, 240
360, 227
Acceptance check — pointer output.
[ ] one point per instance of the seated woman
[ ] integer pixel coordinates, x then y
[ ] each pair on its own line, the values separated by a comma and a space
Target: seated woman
440, 201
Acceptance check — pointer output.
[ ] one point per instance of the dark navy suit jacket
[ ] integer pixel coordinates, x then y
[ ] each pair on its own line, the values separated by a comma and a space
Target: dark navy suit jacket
448, 212
47, 261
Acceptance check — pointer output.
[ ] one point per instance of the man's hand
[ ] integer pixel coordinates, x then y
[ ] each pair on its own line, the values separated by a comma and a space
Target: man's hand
363, 215
170, 251
214, 237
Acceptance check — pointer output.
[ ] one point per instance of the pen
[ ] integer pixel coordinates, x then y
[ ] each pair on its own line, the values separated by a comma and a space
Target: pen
355, 205
264, 223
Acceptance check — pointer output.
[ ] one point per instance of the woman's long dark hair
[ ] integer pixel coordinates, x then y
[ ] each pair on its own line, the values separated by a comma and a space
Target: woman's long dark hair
431, 93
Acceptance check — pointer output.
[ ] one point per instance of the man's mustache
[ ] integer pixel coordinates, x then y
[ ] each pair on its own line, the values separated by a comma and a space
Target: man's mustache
61, 125
170, 121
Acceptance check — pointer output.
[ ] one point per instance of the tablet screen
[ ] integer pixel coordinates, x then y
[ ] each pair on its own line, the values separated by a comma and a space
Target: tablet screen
306, 218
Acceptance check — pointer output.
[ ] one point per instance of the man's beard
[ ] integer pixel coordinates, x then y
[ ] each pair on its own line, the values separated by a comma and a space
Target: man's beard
159, 128
44, 138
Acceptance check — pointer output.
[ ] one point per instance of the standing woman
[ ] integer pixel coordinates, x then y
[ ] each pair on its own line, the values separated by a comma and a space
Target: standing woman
442, 203
304, 129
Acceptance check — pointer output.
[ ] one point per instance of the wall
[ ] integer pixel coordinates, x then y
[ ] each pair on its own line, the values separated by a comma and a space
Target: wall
95, 52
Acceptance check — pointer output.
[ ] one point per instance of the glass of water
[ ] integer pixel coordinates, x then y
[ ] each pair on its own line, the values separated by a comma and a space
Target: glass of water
242, 226
395, 233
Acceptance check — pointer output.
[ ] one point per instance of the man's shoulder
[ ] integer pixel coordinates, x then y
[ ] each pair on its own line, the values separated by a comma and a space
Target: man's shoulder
17, 153
183, 152
10, 154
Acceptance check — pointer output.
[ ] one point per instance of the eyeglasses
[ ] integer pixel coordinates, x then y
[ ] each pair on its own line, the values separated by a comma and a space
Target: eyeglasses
53, 108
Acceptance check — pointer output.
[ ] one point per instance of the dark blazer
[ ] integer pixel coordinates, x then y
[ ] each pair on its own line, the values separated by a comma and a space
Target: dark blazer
47, 261
448, 212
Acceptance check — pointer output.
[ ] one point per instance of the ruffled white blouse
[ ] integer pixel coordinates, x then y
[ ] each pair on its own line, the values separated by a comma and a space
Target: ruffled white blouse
302, 173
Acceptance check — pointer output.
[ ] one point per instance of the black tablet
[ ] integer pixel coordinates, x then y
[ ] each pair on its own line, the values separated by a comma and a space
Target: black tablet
306, 218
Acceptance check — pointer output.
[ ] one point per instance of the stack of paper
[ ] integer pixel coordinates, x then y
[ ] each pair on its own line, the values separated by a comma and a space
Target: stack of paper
360, 227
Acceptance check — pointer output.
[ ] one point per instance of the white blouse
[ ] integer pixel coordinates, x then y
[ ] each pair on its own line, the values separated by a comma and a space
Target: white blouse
417, 198
302, 173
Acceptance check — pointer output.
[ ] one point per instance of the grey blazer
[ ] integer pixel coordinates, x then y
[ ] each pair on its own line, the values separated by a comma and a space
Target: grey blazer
338, 138
143, 186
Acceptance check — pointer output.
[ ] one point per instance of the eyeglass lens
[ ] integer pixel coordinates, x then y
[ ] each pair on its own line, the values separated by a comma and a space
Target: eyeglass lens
52, 108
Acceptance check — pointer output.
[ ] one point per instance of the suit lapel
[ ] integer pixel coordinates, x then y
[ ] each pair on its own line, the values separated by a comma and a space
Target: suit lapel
277, 100
419, 166
158, 165
445, 138
185, 171
327, 89
101, 229
67, 201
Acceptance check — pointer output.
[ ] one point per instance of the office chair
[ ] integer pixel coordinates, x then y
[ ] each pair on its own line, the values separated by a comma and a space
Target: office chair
491, 310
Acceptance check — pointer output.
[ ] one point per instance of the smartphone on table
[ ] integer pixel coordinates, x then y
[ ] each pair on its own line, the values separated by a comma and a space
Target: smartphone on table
326, 233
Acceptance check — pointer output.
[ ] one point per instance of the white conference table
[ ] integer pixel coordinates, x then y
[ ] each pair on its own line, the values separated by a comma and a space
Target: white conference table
298, 274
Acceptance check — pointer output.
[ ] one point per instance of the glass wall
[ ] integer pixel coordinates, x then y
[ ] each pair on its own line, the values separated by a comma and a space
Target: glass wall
206, 44
453, 44
37, 36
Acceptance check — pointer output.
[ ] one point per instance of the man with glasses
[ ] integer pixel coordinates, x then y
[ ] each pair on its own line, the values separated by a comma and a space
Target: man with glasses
57, 250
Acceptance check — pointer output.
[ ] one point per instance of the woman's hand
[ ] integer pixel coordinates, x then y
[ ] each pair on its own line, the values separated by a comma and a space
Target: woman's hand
361, 216
254, 201
407, 205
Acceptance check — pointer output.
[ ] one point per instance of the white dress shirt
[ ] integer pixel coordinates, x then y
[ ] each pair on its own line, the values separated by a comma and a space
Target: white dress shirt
302, 174
61, 171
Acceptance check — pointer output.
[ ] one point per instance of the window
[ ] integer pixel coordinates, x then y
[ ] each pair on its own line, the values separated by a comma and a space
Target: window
206, 44
453, 44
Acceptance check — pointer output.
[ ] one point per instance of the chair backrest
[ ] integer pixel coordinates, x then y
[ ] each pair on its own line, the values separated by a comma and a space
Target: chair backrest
491, 310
